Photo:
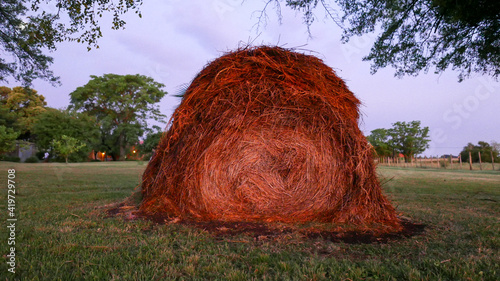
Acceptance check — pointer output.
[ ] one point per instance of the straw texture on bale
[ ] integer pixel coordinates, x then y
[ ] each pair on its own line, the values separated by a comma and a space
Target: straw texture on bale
266, 134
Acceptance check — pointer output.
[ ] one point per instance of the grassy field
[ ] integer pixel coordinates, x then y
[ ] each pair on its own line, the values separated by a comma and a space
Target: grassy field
64, 233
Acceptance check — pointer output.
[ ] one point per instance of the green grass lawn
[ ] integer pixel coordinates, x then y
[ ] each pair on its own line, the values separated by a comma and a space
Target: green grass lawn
64, 233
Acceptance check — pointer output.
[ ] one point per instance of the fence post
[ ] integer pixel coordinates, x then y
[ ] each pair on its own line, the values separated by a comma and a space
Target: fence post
460, 159
470, 160
492, 160
480, 164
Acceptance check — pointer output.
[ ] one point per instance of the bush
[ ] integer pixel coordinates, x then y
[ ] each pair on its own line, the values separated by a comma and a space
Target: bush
444, 163
147, 156
80, 156
15, 159
40, 155
10, 158
32, 159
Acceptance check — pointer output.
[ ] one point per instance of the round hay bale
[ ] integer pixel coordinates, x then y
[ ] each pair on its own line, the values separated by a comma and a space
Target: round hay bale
266, 134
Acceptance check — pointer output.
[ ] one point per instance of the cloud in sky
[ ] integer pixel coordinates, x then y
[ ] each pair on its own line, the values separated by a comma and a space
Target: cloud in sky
175, 39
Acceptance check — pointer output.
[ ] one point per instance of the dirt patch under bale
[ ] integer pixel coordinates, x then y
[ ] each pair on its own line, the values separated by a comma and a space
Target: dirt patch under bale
260, 231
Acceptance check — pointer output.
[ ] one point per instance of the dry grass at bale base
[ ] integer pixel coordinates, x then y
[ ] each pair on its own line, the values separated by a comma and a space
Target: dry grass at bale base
265, 134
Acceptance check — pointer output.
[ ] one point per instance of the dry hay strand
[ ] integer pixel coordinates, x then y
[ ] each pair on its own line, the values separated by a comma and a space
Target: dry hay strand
266, 134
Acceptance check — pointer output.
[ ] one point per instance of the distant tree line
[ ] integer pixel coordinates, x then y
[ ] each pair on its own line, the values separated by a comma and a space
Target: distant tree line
108, 114
410, 139
487, 152
406, 138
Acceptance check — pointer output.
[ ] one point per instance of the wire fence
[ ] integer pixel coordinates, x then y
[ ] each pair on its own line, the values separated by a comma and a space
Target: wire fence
454, 163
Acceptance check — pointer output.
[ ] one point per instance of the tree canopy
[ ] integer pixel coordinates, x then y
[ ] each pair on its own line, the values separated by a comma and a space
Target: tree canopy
19, 108
413, 36
121, 105
379, 139
30, 26
418, 35
54, 123
407, 138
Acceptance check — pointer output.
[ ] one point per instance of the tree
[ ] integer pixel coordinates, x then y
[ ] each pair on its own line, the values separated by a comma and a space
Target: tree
379, 139
495, 146
408, 139
7, 139
121, 105
23, 105
30, 26
8, 118
151, 140
54, 123
417, 35
65, 146
484, 148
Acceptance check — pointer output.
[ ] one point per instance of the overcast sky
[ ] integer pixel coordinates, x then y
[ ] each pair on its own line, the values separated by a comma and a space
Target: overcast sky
175, 39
